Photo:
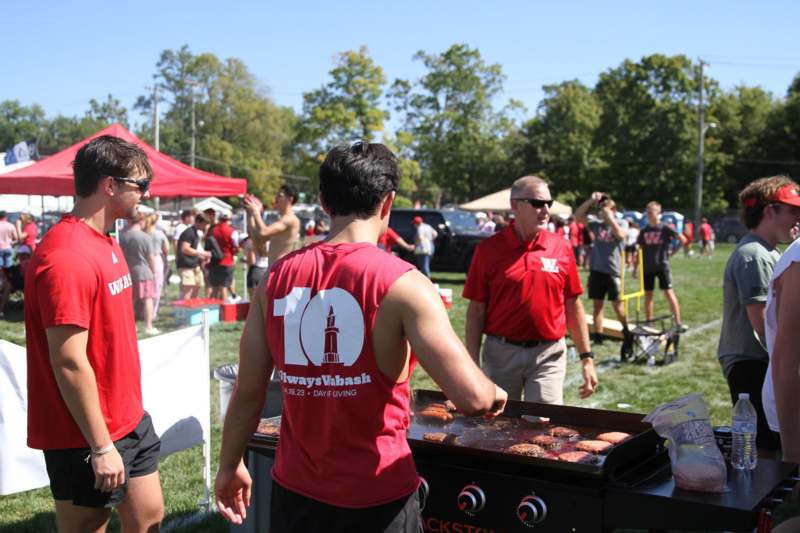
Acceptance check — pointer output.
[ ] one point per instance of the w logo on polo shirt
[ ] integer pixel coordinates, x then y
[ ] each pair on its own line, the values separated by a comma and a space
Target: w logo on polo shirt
549, 265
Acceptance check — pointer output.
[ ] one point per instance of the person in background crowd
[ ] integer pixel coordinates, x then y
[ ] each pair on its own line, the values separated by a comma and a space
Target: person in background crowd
161, 249
655, 240
604, 276
344, 463
190, 256
499, 223
211, 215
187, 219
84, 377
284, 234
632, 248
588, 245
767, 211
781, 391
688, 234
140, 254
221, 272
489, 225
390, 239
424, 245
12, 279
27, 230
257, 264
321, 228
524, 293
480, 220
576, 239
707, 238
8, 236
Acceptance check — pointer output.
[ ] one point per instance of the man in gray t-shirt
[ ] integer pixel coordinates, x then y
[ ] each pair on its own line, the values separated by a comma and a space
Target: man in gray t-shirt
604, 264
742, 352
139, 250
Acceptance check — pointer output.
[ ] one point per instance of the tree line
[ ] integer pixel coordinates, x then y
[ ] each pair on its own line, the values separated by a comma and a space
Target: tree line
634, 134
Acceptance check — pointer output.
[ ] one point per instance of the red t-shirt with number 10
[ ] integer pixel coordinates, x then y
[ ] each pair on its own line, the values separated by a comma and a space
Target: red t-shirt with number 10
79, 277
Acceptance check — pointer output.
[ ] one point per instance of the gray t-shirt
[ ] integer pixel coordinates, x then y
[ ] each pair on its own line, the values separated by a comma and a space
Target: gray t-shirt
746, 281
606, 248
159, 238
138, 246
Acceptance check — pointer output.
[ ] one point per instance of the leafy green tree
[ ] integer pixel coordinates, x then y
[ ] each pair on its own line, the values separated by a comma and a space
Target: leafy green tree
559, 141
458, 136
20, 123
779, 143
239, 131
647, 135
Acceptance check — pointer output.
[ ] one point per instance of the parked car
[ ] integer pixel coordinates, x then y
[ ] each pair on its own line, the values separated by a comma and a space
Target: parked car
458, 235
729, 229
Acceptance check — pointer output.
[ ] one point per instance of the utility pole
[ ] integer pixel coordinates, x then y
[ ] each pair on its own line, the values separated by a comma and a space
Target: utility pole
156, 132
194, 132
701, 132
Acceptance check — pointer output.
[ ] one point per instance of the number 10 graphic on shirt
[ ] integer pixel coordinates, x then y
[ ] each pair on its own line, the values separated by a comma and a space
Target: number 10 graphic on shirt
325, 329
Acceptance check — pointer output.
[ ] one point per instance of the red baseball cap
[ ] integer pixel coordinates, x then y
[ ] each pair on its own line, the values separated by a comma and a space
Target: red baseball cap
416, 220
787, 195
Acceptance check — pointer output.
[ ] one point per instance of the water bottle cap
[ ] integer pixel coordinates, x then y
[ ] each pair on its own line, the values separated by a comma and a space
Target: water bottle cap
744, 395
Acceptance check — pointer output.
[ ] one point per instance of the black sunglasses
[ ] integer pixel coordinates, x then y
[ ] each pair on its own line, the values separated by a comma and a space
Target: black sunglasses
143, 184
536, 202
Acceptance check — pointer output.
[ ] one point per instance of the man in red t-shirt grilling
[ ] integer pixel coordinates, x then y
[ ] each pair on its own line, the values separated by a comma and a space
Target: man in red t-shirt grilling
84, 378
341, 321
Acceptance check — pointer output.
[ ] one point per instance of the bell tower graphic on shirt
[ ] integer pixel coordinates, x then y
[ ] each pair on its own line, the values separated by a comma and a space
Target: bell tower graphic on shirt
331, 354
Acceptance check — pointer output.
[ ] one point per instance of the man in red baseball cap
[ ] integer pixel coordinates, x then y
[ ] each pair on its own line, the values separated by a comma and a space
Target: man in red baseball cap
424, 246
770, 208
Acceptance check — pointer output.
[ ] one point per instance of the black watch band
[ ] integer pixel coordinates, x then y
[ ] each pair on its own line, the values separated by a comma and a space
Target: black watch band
587, 355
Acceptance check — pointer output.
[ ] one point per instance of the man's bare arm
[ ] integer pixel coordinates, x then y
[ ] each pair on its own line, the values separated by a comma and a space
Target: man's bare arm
579, 331
618, 231
755, 313
473, 326
437, 347
78, 386
786, 363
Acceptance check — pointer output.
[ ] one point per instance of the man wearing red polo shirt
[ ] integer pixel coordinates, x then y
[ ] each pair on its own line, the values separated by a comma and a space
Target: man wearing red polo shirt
524, 290
220, 273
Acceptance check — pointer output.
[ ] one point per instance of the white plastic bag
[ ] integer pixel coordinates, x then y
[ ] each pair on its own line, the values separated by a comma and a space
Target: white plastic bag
697, 463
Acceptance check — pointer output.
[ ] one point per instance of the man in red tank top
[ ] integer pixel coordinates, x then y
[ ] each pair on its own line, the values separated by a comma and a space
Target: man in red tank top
341, 321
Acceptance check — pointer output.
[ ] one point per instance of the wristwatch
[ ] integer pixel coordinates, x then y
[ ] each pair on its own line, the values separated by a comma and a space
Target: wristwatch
587, 355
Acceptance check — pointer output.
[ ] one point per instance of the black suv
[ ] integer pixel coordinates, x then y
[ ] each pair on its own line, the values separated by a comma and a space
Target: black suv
729, 229
458, 236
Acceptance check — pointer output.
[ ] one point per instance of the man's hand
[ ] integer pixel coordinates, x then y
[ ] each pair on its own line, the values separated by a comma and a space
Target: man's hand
589, 378
232, 489
597, 196
253, 205
205, 255
109, 471
499, 405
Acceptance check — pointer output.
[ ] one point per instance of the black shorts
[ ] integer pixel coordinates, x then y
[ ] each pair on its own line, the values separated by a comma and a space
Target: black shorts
220, 276
293, 513
664, 280
254, 275
601, 284
72, 478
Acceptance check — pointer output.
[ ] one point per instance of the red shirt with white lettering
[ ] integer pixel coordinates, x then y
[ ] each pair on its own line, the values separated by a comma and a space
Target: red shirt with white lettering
343, 429
79, 277
524, 285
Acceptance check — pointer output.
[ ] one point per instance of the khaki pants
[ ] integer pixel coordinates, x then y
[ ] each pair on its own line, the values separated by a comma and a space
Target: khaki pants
539, 371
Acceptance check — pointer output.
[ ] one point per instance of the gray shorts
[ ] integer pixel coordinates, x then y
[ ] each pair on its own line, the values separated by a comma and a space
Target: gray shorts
538, 371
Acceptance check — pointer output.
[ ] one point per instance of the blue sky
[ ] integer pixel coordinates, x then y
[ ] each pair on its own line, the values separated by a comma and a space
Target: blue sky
61, 54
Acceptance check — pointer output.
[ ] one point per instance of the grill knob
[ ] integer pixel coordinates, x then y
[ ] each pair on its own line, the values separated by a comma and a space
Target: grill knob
471, 499
531, 510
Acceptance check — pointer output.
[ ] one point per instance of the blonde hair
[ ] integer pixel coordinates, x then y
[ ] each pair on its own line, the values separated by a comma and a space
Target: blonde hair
149, 222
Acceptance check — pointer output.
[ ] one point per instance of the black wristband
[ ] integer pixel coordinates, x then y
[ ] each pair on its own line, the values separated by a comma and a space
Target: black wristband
587, 355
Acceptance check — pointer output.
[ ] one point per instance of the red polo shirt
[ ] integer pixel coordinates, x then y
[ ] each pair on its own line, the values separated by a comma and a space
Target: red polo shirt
223, 232
524, 285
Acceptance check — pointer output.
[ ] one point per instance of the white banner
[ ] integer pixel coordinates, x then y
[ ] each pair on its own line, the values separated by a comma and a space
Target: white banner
175, 390
20, 467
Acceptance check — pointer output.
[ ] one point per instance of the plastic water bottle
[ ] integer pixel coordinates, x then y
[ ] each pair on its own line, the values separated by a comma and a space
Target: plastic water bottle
743, 451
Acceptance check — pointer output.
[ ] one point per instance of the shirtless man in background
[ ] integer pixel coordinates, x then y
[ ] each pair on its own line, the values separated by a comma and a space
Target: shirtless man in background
282, 235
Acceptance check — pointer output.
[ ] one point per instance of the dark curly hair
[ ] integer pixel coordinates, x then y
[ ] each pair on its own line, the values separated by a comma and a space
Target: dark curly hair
354, 180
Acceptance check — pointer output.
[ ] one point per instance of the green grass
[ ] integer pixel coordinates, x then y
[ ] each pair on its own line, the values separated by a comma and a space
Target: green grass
698, 284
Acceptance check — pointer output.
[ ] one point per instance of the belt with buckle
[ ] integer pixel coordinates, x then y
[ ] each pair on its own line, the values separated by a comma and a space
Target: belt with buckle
522, 344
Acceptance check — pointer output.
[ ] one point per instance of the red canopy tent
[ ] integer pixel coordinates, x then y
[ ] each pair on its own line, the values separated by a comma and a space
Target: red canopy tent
171, 178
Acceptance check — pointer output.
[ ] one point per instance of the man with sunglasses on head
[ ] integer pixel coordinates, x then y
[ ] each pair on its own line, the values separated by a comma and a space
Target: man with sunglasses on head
524, 293
768, 208
605, 264
84, 378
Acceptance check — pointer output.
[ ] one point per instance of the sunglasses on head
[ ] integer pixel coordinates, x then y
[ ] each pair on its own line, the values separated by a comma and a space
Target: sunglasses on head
536, 202
142, 184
